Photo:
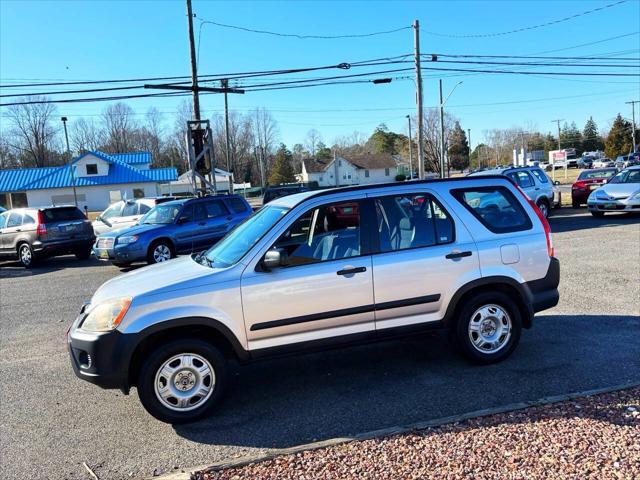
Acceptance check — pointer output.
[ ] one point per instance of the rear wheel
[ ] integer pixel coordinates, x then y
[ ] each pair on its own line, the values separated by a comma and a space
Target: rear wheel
575, 204
160, 251
543, 205
26, 256
488, 329
182, 380
597, 214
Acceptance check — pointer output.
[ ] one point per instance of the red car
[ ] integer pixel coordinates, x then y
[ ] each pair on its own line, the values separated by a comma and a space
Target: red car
587, 181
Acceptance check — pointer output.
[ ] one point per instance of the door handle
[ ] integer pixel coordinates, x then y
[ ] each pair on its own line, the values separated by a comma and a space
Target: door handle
349, 271
454, 255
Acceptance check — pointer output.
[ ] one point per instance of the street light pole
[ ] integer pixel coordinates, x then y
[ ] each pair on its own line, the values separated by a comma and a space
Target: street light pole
442, 147
410, 150
419, 119
73, 177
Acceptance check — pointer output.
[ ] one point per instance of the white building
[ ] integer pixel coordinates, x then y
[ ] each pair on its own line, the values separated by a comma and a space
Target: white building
184, 184
99, 178
368, 168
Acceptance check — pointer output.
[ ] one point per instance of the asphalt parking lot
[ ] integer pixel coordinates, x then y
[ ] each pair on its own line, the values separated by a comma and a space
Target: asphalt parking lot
52, 422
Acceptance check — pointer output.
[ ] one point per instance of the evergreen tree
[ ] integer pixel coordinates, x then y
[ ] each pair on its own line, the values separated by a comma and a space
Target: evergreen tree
591, 139
282, 169
384, 141
478, 155
322, 151
550, 143
458, 148
570, 137
618, 141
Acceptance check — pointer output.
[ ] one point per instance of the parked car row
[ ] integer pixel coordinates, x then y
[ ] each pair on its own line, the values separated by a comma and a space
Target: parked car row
621, 193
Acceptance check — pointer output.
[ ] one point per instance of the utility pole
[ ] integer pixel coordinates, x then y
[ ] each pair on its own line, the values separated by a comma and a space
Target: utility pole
416, 39
194, 67
633, 122
225, 85
469, 143
410, 150
441, 133
73, 177
558, 122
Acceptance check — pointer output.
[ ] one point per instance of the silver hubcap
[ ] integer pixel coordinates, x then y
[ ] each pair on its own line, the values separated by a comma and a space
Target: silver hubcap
25, 255
490, 328
543, 209
184, 382
161, 253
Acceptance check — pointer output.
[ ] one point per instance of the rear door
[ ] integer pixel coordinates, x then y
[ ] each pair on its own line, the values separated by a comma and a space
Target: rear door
12, 231
217, 219
425, 254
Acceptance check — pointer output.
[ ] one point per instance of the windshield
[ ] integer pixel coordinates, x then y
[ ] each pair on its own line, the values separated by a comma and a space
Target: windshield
627, 176
242, 238
586, 175
161, 214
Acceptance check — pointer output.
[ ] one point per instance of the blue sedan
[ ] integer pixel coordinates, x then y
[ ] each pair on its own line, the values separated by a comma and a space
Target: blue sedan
171, 228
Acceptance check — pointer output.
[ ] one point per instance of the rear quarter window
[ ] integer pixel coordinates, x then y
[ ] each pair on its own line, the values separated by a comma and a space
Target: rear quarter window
237, 205
540, 175
62, 214
495, 207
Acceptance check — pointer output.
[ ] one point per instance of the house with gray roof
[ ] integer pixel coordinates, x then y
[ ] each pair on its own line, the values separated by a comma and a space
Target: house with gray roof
99, 178
354, 170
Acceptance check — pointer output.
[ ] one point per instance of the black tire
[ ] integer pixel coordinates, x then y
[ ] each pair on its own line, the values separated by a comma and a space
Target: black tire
26, 257
83, 254
575, 204
147, 378
544, 207
151, 258
462, 335
597, 214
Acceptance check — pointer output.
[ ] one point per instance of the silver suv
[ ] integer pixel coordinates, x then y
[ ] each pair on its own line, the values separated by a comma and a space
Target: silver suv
471, 255
533, 181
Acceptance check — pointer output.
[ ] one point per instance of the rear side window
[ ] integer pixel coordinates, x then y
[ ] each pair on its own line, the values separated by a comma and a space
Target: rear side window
522, 178
144, 208
62, 214
28, 219
495, 207
130, 208
215, 209
3, 219
540, 175
15, 220
411, 221
237, 205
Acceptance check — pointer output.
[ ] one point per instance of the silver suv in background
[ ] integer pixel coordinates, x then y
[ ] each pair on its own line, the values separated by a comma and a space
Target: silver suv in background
533, 181
125, 213
471, 255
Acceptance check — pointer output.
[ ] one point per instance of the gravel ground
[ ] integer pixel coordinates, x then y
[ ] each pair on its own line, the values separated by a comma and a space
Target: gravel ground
593, 437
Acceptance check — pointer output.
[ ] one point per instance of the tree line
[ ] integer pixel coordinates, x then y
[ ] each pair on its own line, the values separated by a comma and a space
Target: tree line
32, 136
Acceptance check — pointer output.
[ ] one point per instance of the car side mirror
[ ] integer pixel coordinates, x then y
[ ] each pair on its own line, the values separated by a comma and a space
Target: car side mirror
556, 182
274, 258
182, 220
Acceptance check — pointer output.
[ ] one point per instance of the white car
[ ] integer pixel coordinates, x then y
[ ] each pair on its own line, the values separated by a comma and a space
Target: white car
125, 213
603, 163
620, 194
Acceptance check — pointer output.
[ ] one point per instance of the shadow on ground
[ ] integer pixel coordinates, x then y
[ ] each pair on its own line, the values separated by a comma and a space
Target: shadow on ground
290, 401
12, 269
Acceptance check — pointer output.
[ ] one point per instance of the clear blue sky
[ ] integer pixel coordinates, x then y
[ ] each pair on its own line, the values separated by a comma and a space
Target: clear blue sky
78, 40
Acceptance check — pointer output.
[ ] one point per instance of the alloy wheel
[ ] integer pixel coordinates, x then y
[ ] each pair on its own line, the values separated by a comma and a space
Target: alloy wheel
161, 253
26, 257
490, 329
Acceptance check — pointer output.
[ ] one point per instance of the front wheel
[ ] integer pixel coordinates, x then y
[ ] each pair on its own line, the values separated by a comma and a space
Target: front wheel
160, 251
83, 254
182, 380
488, 329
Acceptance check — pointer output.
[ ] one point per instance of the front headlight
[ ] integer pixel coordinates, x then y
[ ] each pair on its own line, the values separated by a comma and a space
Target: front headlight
106, 316
127, 240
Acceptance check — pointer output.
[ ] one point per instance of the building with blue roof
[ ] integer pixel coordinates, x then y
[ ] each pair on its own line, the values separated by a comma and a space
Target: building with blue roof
100, 179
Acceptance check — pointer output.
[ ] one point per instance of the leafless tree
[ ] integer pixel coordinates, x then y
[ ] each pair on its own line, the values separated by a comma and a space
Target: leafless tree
86, 135
241, 145
120, 126
33, 133
8, 158
314, 137
431, 136
265, 134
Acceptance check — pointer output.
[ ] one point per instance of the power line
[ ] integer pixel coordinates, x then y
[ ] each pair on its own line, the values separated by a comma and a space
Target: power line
537, 64
522, 72
304, 37
531, 27
590, 43
529, 57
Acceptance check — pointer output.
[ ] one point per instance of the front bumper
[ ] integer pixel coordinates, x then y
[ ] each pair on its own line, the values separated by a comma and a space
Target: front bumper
101, 358
624, 205
121, 253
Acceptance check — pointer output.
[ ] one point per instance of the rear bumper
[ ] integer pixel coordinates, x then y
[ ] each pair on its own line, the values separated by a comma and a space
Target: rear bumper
544, 292
62, 247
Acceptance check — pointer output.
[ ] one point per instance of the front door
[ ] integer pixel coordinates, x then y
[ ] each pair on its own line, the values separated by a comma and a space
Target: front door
323, 290
187, 230
423, 258
11, 231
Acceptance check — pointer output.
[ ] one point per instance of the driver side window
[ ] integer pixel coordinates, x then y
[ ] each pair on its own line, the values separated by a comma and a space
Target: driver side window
329, 232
